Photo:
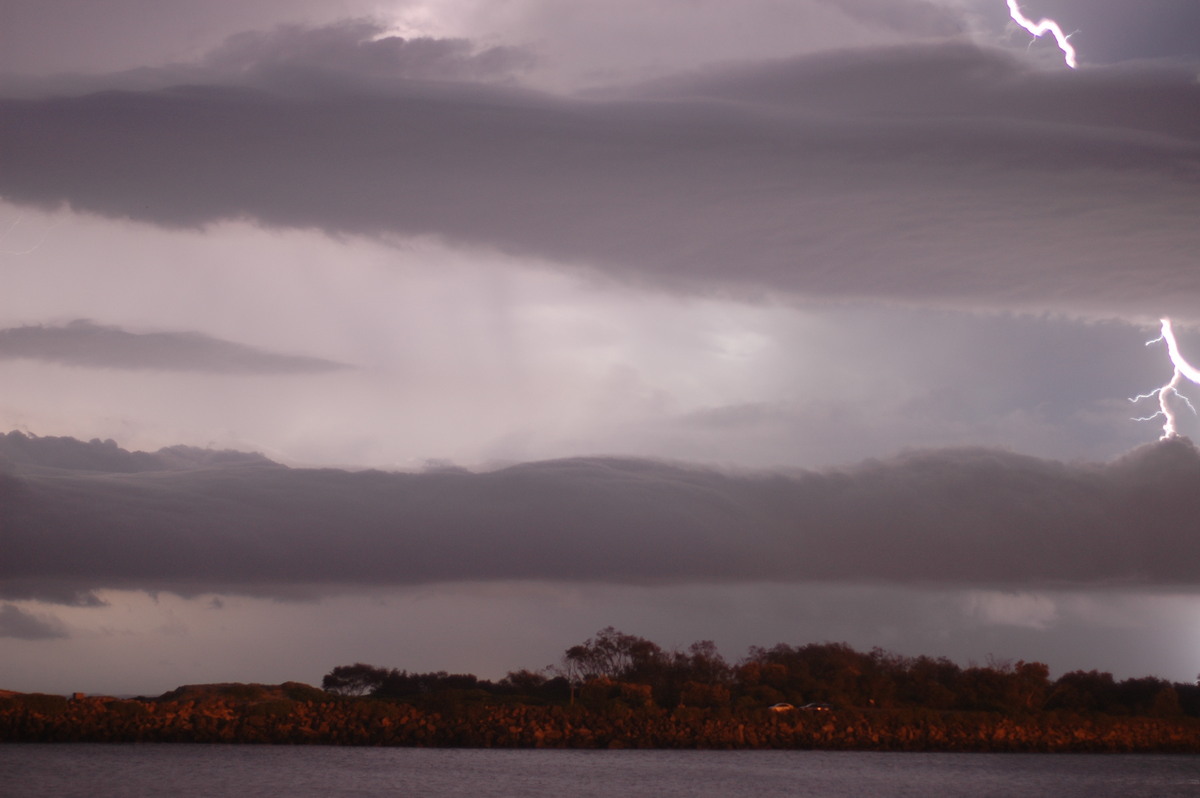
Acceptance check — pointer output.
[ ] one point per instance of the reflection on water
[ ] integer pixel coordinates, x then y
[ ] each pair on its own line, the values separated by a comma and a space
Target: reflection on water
190, 771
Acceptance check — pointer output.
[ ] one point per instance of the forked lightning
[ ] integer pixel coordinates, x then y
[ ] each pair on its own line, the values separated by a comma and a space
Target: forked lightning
1183, 370
1042, 27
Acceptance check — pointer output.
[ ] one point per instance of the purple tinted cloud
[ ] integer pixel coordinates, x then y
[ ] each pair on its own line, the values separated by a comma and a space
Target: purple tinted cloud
359, 47
21, 625
952, 517
914, 17
942, 173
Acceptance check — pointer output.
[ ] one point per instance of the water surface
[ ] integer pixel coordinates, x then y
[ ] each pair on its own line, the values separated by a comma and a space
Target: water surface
192, 771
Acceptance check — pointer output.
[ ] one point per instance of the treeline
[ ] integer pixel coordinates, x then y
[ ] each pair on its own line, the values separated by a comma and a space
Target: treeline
618, 669
621, 691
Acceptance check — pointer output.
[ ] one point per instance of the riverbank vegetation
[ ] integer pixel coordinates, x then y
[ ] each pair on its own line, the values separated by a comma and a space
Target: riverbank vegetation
620, 691
614, 667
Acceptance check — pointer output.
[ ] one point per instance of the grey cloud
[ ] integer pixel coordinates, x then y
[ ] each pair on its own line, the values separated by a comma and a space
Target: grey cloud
949, 517
351, 56
106, 456
84, 343
16, 623
739, 416
65, 593
361, 48
1118, 30
955, 82
914, 17
943, 174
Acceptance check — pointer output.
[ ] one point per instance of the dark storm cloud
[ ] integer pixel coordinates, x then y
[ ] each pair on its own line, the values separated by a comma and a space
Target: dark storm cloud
941, 173
84, 343
950, 517
16, 623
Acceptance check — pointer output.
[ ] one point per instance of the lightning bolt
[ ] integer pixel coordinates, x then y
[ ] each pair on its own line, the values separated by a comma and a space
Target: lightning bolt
1183, 370
13, 226
1041, 27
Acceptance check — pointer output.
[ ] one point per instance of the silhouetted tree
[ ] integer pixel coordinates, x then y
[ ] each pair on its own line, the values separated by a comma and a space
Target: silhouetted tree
1083, 691
402, 684
1029, 685
612, 655
930, 683
703, 663
828, 672
356, 679
623, 671
1189, 698
534, 687
1147, 696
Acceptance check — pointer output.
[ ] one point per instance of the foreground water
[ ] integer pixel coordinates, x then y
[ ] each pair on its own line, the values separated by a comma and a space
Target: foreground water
190, 771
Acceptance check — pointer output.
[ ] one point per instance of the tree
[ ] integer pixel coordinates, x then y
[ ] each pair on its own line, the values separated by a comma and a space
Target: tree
611, 655
400, 684
538, 687
356, 679
1147, 696
832, 672
1030, 684
929, 682
1083, 691
703, 663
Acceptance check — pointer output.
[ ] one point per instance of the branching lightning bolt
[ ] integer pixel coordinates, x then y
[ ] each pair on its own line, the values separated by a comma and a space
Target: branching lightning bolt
1042, 27
1183, 370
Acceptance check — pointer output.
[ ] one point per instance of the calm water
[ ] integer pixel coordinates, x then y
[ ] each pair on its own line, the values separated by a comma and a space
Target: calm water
188, 771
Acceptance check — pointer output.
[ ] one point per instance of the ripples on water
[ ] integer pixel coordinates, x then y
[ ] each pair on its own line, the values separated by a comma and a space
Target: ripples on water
191, 771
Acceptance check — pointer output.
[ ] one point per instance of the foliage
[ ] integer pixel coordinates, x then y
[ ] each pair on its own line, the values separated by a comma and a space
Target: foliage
611, 655
356, 679
622, 672
298, 691
41, 703
127, 708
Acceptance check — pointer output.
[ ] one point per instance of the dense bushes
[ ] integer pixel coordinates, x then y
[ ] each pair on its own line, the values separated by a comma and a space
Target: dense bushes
618, 669
620, 717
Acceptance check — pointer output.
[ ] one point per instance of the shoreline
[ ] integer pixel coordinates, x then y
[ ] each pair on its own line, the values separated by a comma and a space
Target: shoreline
295, 714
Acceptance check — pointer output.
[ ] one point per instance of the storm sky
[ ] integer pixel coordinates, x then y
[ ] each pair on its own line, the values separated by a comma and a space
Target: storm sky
439, 335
